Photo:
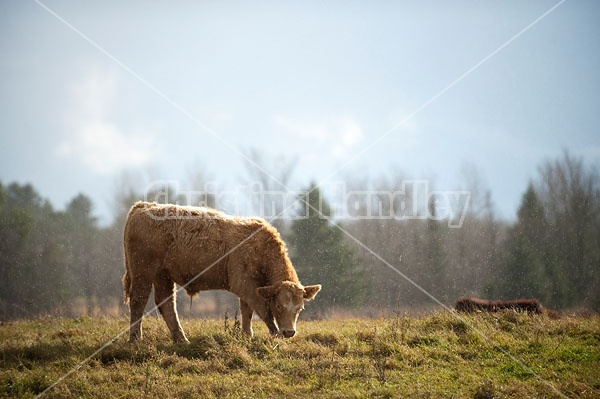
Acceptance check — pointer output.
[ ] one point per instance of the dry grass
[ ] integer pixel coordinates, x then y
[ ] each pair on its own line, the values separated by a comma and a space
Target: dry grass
432, 356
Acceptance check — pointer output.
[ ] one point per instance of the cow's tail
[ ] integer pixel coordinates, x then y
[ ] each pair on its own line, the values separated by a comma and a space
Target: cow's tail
126, 286
126, 276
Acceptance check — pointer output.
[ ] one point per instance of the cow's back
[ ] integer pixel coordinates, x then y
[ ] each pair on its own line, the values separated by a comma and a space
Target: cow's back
190, 243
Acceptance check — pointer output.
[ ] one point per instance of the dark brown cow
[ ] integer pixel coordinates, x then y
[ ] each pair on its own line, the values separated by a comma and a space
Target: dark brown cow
471, 304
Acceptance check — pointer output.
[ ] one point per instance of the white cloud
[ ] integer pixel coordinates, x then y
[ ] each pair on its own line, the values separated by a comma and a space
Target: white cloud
106, 150
94, 138
94, 97
337, 135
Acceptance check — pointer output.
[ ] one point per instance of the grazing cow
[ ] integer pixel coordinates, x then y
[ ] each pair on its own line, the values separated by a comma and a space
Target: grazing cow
470, 304
203, 249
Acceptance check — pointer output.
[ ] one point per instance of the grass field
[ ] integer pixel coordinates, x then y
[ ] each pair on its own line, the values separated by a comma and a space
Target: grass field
435, 356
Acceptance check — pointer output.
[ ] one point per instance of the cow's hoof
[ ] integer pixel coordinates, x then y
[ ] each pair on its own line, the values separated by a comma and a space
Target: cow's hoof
134, 338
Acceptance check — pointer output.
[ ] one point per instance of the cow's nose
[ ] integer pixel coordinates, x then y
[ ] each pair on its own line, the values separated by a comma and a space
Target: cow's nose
288, 333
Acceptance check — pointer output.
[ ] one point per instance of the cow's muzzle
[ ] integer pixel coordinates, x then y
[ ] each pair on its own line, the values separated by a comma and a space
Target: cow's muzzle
288, 333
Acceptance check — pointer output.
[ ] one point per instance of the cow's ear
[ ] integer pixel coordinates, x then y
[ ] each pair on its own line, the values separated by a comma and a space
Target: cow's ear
310, 291
266, 292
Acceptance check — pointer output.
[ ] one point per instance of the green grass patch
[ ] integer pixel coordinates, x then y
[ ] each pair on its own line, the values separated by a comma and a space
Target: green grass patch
441, 355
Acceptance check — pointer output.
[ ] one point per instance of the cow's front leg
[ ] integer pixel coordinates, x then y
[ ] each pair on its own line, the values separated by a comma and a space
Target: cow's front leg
273, 330
269, 320
247, 312
264, 312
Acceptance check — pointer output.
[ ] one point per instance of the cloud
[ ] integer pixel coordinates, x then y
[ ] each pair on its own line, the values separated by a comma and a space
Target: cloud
106, 150
93, 137
337, 135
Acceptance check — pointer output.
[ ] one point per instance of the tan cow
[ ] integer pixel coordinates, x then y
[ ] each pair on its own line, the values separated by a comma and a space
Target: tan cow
203, 249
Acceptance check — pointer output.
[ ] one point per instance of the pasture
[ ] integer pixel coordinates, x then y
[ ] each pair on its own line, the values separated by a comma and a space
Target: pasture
433, 356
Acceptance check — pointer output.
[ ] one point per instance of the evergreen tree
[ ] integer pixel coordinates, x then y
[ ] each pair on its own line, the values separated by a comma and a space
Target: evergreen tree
434, 257
33, 263
15, 227
524, 269
321, 256
83, 231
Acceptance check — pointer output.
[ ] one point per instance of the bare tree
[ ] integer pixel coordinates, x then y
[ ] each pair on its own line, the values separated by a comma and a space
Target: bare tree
389, 238
198, 186
273, 176
570, 192
472, 248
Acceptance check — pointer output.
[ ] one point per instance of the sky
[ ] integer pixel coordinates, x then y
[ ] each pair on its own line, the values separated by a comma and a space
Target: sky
344, 91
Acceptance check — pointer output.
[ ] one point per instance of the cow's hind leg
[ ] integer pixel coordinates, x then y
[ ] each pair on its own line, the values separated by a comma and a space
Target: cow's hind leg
247, 312
138, 297
164, 295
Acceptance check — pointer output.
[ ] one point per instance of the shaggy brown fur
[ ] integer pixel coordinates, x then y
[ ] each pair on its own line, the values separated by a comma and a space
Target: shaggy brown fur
470, 304
203, 249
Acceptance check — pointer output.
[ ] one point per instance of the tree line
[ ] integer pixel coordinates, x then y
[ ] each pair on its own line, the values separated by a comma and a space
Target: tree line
63, 262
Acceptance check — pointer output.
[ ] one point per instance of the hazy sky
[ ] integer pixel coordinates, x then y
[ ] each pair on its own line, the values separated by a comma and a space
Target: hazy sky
311, 81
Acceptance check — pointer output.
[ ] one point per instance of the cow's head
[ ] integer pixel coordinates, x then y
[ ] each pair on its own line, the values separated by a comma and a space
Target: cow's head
286, 301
